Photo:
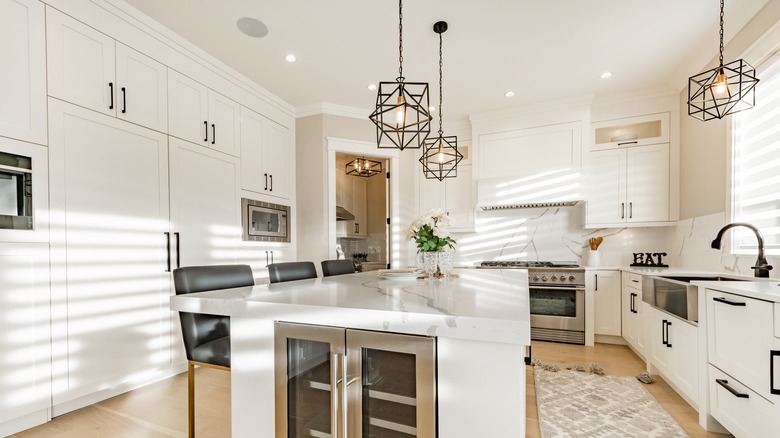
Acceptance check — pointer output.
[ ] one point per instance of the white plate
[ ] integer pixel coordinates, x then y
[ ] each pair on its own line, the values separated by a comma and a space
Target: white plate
398, 273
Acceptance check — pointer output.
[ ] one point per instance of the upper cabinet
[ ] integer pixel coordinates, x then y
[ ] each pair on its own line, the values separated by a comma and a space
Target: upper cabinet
23, 79
631, 177
265, 152
90, 69
454, 196
202, 116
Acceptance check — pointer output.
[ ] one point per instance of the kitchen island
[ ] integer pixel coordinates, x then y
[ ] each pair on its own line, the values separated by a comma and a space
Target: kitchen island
481, 323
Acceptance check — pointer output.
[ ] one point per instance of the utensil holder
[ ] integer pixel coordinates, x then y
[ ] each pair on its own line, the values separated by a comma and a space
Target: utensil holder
593, 258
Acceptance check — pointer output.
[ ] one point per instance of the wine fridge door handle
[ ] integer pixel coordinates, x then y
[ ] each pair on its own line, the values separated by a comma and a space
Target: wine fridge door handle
335, 393
772, 355
344, 401
178, 249
734, 392
167, 251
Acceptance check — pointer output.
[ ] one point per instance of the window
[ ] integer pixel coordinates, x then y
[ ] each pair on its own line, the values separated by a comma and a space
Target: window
755, 164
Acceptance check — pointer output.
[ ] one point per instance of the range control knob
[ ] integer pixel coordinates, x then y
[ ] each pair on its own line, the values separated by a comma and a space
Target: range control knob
553, 278
544, 278
571, 278
536, 278
563, 278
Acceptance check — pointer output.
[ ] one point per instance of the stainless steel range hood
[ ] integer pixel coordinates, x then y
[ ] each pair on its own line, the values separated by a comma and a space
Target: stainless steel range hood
343, 215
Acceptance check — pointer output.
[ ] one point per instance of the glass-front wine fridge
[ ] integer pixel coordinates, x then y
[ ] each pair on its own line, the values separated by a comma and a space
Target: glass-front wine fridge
345, 383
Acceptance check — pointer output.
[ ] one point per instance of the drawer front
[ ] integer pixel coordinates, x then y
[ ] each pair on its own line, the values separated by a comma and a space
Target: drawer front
632, 280
744, 413
740, 338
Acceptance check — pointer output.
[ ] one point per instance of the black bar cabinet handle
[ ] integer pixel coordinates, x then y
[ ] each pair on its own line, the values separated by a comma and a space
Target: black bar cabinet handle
668, 342
628, 142
124, 101
266, 258
725, 383
266, 181
597, 281
772, 355
111, 92
178, 248
272, 182
622, 210
168, 251
206, 124
730, 303
630, 210
663, 332
213, 133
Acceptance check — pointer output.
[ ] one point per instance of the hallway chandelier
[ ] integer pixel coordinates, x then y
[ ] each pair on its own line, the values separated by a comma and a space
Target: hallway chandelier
363, 167
724, 90
440, 156
401, 113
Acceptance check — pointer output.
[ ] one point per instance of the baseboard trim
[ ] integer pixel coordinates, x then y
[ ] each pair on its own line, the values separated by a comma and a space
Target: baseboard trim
25, 422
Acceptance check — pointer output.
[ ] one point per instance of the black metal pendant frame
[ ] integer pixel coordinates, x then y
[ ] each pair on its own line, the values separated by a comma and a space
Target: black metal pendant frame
704, 103
410, 97
441, 157
363, 167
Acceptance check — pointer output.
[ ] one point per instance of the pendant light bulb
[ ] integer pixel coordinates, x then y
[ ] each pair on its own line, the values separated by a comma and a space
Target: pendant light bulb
721, 85
400, 114
440, 155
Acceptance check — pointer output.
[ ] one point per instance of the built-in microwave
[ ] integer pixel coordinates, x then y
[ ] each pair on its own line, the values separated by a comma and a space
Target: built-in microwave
16, 209
264, 221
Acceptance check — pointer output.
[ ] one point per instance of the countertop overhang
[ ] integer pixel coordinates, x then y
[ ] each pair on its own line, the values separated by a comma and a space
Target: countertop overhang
484, 305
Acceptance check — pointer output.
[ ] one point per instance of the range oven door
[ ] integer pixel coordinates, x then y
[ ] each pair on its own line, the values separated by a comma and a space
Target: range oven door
558, 308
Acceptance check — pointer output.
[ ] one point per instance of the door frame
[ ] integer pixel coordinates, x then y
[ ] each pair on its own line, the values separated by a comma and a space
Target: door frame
340, 145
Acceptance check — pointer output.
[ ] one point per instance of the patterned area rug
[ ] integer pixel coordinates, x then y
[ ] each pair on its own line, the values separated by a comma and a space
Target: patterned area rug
579, 404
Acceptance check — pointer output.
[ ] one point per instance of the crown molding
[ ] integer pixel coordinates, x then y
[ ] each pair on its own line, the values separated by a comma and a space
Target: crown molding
333, 110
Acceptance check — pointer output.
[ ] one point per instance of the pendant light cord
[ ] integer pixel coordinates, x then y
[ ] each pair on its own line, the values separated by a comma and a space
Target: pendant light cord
441, 96
721, 33
401, 40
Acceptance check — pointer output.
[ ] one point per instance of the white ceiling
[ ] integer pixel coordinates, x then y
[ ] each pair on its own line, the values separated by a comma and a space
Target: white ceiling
541, 49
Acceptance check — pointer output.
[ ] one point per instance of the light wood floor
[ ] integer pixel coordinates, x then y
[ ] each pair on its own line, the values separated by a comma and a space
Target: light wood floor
160, 409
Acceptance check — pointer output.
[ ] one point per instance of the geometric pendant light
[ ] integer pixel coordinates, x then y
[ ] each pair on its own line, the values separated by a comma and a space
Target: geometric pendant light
723, 90
440, 156
401, 115
363, 167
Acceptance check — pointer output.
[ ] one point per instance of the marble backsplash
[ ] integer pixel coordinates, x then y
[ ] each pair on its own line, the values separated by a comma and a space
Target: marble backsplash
557, 234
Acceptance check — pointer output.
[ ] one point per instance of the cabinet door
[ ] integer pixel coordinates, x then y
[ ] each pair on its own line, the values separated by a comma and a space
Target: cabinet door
142, 93
308, 366
647, 183
606, 287
25, 365
431, 193
109, 202
660, 355
277, 159
204, 204
23, 93
80, 63
188, 109
394, 393
458, 198
606, 187
253, 127
359, 206
224, 124
685, 355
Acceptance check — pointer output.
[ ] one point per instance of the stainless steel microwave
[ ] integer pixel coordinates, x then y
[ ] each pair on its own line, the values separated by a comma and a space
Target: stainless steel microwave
265, 222
15, 192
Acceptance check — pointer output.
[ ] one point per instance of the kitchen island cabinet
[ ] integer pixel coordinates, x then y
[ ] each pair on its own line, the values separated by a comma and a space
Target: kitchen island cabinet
480, 322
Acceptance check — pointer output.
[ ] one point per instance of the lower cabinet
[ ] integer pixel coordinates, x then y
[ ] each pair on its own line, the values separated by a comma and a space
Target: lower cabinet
605, 285
348, 383
673, 351
633, 313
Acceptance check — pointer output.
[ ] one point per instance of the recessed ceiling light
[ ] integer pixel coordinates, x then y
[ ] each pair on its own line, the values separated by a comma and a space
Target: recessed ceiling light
290, 58
509, 93
606, 75
372, 87
252, 27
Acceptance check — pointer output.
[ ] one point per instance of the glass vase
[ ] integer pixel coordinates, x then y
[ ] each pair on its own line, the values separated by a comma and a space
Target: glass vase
430, 263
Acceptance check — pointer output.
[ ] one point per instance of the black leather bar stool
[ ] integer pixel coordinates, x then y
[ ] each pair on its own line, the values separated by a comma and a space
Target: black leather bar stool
279, 272
337, 267
206, 337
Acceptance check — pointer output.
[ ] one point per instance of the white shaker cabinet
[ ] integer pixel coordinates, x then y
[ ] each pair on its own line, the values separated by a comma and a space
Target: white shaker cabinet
205, 204
25, 365
265, 156
90, 69
455, 196
605, 286
673, 351
23, 79
110, 289
633, 313
351, 194
202, 116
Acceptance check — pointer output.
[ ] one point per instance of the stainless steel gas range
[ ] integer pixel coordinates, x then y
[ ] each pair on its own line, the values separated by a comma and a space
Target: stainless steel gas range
557, 298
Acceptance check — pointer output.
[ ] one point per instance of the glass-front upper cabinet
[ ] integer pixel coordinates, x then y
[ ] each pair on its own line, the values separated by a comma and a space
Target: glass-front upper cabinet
389, 390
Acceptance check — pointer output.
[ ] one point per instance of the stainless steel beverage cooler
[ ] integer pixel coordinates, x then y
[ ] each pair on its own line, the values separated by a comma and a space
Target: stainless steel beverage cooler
344, 383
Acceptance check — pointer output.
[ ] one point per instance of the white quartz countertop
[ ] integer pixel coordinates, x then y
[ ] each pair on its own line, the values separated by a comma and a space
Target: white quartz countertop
768, 290
482, 304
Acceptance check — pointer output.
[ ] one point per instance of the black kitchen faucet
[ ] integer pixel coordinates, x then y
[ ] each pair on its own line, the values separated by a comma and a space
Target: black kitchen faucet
762, 267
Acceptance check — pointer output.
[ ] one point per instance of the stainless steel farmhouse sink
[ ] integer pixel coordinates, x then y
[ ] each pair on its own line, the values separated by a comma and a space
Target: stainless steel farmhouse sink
676, 294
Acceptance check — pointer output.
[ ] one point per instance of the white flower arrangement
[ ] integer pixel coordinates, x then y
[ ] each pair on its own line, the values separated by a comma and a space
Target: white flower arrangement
431, 231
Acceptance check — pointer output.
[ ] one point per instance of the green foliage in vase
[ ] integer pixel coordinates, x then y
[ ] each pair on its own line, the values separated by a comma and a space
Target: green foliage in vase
431, 231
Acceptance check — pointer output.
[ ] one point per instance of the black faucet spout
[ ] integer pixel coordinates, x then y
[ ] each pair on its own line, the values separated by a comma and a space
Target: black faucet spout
762, 267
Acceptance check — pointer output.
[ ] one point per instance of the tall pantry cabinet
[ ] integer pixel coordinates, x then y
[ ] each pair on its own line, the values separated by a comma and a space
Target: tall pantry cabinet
86, 292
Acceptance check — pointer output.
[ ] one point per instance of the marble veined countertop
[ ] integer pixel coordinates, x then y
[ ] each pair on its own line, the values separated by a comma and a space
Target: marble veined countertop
768, 290
482, 304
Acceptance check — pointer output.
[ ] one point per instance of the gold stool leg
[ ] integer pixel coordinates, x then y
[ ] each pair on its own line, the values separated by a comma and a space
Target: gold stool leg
191, 399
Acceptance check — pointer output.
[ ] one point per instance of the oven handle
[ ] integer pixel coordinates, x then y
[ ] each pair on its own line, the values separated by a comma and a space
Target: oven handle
576, 288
